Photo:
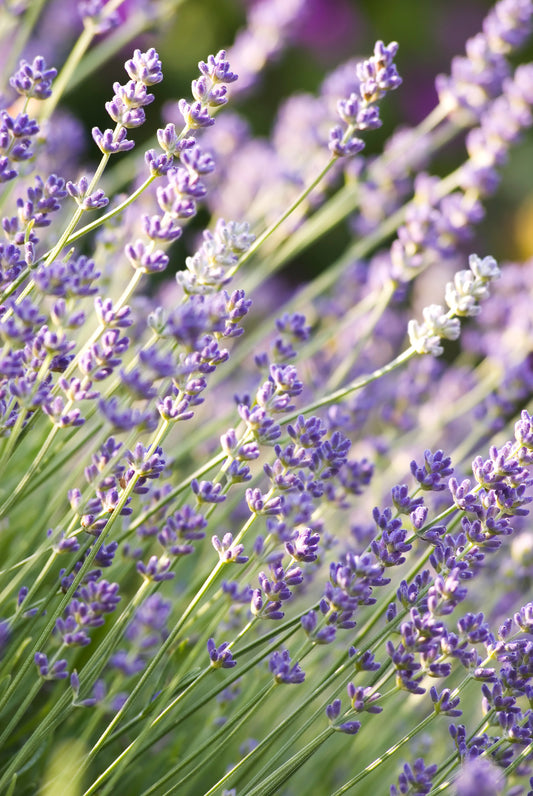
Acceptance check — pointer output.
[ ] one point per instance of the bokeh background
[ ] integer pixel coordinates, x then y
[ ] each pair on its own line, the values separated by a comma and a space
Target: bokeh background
430, 33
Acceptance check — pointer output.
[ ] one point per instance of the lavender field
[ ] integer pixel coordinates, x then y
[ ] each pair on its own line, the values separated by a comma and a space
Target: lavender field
266, 381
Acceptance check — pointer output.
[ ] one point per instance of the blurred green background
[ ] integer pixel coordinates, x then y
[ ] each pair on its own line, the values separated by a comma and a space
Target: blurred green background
430, 33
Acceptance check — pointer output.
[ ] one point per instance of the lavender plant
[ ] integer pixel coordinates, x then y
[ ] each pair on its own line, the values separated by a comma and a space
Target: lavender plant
255, 537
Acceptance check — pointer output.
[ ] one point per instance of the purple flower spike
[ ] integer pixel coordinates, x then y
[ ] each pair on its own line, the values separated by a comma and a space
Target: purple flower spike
376, 77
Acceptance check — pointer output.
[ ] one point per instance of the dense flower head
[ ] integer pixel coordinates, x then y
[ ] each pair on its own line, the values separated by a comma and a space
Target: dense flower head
35, 79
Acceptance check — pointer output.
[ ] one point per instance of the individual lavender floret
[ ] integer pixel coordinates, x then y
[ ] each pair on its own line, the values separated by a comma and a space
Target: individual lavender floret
523, 432
524, 618
261, 504
322, 635
462, 297
111, 318
145, 464
362, 699
228, 552
416, 779
436, 467
426, 338
403, 502
161, 228
180, 529
55, 411
376, 76
11, 263
221, 657
231, 446
364, 662
157, 569
308, 433
101, 359
207, 491
303, 545
280, 665
209, 91
58, 671
267, 601
469, 287
442, 703
78, 191
33, 80
143, 257
333, 712
144, 67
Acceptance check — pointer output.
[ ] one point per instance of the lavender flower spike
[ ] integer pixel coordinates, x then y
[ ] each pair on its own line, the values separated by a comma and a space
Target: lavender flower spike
376, 77
462, 297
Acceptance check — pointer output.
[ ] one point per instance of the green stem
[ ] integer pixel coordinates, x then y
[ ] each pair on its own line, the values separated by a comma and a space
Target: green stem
68, 73
118, 763
271, 784
385, 756
22, 36
224, 733
37, 647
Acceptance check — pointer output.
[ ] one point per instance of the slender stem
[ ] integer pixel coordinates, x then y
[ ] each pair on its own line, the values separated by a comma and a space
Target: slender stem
22, 36
118, 763
224, 733
273, 782
389, 753
77, 580
70, 67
